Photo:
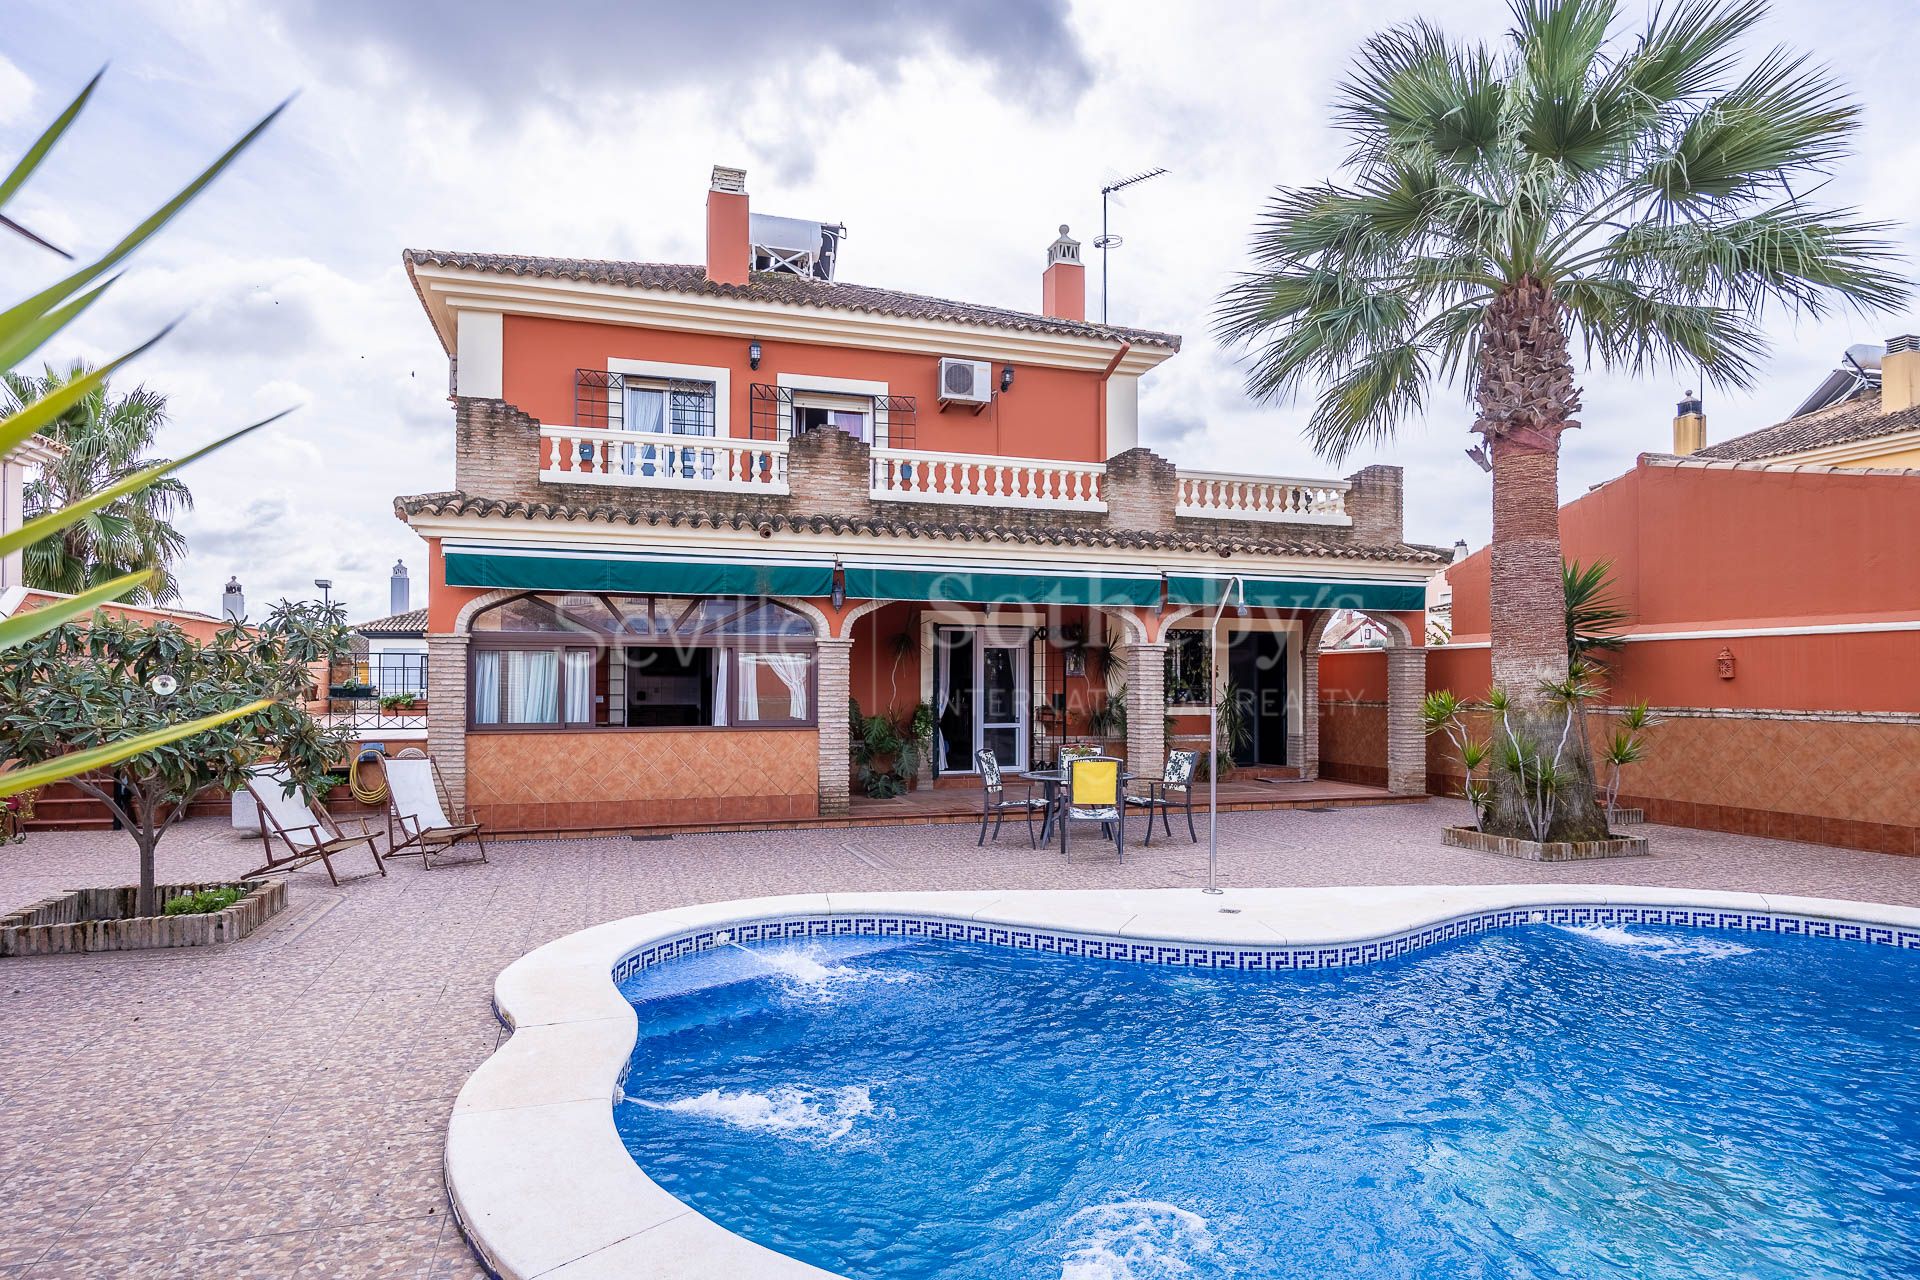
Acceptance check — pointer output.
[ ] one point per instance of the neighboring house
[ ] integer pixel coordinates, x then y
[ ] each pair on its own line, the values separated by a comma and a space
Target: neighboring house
201, 626
699, 509
390, 653
34, 451
1865, 414
1774, 628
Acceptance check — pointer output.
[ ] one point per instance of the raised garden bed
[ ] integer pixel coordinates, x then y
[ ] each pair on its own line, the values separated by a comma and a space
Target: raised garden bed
1552, 851
103, 920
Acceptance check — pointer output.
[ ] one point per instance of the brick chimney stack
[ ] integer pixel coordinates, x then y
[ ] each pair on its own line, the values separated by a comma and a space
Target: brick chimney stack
1063, 289
1689, 426
1900, 374
729, 255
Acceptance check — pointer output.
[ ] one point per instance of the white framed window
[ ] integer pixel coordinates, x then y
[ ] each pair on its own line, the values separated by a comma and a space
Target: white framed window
813, 411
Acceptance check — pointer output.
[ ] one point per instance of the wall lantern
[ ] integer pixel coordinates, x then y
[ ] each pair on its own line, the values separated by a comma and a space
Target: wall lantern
753, 354
1723, 663
839, 596
1006, 378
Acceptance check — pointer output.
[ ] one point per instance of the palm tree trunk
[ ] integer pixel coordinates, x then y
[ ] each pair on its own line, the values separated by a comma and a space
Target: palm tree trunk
1527, 398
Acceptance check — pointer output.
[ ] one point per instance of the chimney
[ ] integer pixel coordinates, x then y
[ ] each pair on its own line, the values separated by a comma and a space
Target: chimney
729, 255
1063, 289
1689, 426
397, 593
233, 602
1900, 374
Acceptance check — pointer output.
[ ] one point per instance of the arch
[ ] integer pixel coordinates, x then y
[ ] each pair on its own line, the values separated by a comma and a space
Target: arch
463, 621
1392, 625
822, 625
1132, 626
854, 614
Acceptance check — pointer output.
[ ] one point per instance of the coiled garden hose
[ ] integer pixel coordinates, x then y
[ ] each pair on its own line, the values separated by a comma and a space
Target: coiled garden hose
368, 795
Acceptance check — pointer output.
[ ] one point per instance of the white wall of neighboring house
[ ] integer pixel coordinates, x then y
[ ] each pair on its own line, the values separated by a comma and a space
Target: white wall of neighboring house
15, 469
397, 665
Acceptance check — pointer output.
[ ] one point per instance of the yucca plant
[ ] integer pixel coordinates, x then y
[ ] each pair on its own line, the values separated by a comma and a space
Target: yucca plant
26, 327
1626, 746
1594, 612
1635, 200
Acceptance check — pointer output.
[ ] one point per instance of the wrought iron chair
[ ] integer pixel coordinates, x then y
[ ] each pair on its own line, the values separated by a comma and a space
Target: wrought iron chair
1092, 794
1175, 780
1079, 751
995, 804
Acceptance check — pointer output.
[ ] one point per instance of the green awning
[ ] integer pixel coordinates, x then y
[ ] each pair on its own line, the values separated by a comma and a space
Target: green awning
1270, 593
974, 586
683, 576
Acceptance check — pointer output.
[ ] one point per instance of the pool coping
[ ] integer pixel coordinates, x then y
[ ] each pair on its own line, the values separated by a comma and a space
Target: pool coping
542, 1186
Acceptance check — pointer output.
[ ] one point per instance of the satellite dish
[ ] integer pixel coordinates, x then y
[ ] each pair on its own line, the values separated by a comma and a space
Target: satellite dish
164, 685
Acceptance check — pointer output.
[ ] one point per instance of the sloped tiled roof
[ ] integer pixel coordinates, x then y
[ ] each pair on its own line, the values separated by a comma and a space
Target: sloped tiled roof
1197, 538
1845, 423
411, 623
782, 287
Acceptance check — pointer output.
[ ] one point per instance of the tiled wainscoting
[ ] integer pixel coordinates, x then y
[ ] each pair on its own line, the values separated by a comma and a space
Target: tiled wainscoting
1266, 958
644, 778
1850, 780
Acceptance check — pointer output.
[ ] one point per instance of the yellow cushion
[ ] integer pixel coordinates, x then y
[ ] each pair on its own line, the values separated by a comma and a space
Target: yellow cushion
1096, 782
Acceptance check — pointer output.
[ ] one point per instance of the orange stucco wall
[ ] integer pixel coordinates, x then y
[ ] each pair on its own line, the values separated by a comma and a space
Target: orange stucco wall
1700, 549
1049, 413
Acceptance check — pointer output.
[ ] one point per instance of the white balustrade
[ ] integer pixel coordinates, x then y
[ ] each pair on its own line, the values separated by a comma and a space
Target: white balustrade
596, 455
1221, 495
916, 475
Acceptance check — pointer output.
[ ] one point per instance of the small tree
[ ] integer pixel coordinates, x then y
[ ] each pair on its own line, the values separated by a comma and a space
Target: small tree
78, 687
1628, 745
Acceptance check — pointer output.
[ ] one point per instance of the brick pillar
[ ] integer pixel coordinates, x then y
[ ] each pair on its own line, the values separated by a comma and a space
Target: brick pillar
836, 742
1308, 757
830, 474
1406, 740
1140, 489
1146, 708
447, 715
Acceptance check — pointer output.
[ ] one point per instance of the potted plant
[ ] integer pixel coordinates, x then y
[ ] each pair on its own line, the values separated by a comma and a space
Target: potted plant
399, 704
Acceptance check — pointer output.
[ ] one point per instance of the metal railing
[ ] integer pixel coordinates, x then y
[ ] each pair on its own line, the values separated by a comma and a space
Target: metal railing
356, 687
892, 420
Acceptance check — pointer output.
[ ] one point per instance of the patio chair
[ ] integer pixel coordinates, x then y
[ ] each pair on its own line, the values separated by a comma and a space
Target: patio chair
1092, 794
1068, 754
1175, 780
995, 803
304, 830
416, 823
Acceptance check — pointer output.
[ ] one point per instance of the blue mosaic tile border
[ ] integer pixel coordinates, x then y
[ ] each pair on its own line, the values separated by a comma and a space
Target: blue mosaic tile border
1253, 958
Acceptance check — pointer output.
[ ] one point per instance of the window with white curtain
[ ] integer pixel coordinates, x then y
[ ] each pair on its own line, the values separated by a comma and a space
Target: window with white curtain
486, 686
775, 687
579, 669
533, 686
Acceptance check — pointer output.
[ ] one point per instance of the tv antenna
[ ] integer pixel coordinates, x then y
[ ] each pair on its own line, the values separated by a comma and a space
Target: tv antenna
1107, 241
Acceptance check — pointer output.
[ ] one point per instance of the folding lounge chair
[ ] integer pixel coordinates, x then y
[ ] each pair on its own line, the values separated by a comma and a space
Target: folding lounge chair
415, 821
304, 832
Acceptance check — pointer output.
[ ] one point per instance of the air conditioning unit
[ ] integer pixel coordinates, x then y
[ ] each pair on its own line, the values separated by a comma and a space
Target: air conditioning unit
966, 381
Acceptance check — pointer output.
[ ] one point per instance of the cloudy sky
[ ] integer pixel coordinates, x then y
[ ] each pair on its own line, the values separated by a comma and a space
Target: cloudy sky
951, 142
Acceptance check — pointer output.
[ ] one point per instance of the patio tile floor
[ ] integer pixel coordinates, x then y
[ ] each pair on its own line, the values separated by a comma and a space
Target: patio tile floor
276, 1107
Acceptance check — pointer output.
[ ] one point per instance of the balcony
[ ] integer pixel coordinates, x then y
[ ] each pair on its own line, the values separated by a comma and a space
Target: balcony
726, 464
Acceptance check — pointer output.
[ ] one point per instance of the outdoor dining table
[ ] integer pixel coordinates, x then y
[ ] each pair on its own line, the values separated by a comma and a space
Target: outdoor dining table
1051, 780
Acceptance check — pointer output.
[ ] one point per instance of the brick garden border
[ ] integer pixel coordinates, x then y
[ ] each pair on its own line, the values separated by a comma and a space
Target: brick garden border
1472, 838
102, 919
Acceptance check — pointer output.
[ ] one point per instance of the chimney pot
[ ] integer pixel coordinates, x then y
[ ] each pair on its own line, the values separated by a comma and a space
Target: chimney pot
729, 252
233, 602
1900, 374
1689, 426
1063, 288
399, 598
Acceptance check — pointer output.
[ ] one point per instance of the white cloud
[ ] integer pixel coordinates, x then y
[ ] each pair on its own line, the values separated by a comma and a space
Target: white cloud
16, 92
547, 130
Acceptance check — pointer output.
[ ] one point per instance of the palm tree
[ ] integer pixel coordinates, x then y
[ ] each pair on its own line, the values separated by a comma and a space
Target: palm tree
1642, 199
106, 439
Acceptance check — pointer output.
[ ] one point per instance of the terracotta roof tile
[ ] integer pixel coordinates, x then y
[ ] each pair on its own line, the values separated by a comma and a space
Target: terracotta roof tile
1197, 537
782, 287
411, 623
1844, 423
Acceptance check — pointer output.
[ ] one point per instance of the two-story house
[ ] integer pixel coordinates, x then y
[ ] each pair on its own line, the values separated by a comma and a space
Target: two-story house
699, 510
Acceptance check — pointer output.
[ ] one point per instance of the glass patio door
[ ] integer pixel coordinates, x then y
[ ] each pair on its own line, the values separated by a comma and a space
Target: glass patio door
1000, 702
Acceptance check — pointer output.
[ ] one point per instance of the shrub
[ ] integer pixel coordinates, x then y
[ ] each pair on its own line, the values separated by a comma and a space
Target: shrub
205, 902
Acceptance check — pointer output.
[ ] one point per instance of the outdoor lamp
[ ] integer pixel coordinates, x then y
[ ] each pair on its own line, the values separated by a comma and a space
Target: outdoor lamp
753, 354
1006, 378
839, 595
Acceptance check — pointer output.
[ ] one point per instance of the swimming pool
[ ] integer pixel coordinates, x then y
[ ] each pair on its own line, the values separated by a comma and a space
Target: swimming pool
1638, 1101
1496, 1081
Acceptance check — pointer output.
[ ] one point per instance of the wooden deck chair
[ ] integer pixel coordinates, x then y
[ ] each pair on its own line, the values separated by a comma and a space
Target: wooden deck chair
415, 821
304, 832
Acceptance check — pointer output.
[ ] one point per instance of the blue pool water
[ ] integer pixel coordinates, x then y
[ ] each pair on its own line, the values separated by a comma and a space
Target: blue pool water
1633, 1102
